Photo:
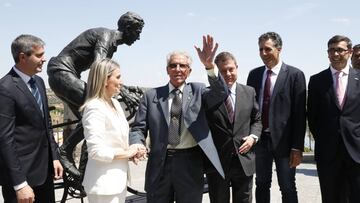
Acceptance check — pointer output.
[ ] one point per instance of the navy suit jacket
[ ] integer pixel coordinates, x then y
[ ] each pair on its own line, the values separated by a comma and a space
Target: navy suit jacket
329, 123
27, 145
287, 113
153, 117
227, 136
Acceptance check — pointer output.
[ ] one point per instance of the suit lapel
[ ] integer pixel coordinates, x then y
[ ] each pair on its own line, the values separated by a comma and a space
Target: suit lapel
162, 98
186, 97
329, 83
280, 81
353, 87
258, 81
239, 92
20, 84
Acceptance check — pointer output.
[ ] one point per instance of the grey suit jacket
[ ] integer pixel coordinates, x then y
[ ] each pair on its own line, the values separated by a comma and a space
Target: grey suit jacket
227, 136
153, 117
287, 116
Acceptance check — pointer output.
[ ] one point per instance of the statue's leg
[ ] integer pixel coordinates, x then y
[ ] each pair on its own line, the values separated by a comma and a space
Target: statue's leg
66, 151
71, 89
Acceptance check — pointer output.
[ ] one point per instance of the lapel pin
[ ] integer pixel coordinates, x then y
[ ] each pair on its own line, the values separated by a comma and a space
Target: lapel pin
356, 78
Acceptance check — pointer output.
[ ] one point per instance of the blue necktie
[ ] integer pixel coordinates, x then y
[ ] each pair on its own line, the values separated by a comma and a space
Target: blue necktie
36, 93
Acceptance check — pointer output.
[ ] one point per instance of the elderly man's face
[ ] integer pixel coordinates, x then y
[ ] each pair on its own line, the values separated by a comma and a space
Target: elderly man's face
178, 69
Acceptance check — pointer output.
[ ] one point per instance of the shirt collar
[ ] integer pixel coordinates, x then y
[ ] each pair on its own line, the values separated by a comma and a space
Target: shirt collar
232, 89
345, 70
22, 75
275, 69
171, 87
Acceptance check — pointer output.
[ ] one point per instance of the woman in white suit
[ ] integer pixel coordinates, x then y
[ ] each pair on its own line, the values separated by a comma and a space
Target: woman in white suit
106, 133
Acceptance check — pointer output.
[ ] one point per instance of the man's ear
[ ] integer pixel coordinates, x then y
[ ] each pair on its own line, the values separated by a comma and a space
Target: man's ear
22, 56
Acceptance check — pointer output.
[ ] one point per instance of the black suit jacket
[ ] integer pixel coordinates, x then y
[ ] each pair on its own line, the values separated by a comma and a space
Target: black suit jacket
227, 136
287, 115
328, 122
27, 145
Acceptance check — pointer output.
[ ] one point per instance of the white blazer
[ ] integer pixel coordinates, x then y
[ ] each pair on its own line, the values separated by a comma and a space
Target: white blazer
106, 132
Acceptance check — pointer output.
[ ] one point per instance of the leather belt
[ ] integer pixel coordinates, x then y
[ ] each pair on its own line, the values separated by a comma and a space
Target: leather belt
174, 152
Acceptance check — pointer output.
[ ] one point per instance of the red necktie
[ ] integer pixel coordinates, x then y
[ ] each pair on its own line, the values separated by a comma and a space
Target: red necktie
266, 101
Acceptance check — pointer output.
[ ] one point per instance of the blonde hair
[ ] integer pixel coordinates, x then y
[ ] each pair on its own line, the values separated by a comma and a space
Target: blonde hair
99, 73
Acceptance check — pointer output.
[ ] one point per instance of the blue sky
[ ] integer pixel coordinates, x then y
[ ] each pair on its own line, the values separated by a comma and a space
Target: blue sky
304, 25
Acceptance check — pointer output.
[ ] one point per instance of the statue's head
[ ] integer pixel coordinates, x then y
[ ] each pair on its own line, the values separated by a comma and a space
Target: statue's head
130, 24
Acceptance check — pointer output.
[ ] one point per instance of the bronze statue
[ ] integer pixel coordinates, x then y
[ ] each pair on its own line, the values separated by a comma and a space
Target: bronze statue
64, 73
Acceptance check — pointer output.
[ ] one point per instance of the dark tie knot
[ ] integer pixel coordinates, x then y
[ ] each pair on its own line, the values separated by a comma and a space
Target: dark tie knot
176, 92
268, 72
32, 82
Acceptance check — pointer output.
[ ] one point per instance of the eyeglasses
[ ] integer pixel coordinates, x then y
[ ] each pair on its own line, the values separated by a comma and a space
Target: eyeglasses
175, 65
338, 50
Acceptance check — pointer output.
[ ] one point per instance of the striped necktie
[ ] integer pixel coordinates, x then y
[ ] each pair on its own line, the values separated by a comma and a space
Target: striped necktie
36, 93
229, 108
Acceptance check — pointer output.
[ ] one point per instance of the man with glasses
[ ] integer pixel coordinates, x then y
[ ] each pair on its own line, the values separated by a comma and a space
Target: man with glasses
355, 58
281, 93
173, 116
334, 121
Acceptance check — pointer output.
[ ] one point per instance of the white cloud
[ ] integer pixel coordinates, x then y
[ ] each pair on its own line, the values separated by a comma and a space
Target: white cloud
343, 21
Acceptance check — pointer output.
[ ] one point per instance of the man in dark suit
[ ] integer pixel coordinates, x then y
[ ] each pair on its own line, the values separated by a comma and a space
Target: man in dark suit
281, 93
334, 121
28, 159
175, 166
355, 57
235, 124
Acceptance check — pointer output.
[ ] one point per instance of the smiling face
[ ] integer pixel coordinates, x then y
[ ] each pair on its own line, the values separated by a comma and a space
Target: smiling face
269, 54
178, 69
338, 54
113, 83
228, 70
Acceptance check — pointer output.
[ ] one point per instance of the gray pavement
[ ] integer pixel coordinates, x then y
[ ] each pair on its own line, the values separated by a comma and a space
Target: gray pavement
306, 181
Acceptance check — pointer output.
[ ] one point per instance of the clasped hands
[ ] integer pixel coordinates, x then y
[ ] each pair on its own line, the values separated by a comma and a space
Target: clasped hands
138, 153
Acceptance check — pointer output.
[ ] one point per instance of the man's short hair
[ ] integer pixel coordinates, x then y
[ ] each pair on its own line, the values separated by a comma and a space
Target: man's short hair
339, 38
224, 56
275, 37
130, 18
25, 44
